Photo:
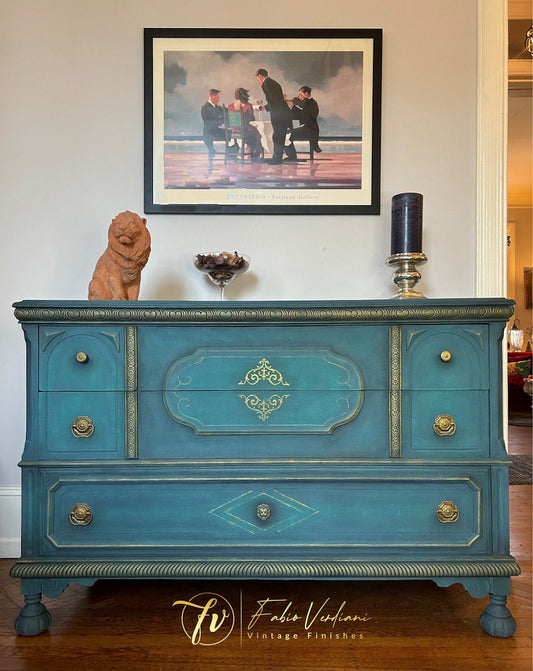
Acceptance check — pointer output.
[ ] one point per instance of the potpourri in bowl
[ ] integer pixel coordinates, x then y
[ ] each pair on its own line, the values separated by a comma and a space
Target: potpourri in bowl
221, 267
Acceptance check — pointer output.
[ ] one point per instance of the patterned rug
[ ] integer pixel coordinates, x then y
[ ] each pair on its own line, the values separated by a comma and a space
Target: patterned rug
520, 418
521, 470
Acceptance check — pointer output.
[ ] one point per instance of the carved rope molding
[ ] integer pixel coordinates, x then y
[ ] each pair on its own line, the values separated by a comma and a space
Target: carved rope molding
261, 569
392, 312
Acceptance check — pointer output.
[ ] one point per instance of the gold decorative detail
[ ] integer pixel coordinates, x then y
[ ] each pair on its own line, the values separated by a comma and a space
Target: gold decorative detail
264, 407
447, 512
264, 372
444, 425
81, 357
216, 569
131, 358
132, 449
395, 394
82, 427
446, 356
478, 310
80, 515
263, 511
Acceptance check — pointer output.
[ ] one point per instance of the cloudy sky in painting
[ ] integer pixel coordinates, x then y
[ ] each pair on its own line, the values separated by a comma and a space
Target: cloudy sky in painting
335, 77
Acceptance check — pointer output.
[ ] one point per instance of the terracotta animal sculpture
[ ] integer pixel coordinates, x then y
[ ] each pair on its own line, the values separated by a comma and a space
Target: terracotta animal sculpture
117, 275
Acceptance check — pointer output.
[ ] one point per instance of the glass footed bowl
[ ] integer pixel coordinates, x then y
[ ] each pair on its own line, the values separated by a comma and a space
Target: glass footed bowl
221, 267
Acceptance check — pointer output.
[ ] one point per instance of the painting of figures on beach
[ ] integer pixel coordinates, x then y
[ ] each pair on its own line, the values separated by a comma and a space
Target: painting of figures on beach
262, 121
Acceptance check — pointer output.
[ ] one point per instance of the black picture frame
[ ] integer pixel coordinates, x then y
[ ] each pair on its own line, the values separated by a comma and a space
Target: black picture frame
343, 67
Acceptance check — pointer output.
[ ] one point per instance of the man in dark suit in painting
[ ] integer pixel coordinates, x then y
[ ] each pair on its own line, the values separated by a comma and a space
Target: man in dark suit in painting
280, 116
213, 117
305, 109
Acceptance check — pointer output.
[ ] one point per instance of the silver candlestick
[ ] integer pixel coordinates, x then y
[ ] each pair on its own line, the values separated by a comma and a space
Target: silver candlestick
406, 276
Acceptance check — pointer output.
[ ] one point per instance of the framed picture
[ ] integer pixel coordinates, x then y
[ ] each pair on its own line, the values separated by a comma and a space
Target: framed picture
262, 121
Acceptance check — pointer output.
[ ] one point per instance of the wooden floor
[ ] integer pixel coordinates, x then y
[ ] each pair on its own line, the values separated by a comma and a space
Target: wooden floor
405, 625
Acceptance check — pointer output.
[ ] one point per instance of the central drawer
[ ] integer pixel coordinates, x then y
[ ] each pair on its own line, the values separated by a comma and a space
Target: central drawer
216, 514
302, 391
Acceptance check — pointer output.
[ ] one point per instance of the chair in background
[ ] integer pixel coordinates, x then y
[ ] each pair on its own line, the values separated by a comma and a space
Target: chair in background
234, 124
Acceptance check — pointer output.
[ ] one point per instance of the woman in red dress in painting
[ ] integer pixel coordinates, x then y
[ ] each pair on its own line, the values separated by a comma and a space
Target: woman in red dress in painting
251, 135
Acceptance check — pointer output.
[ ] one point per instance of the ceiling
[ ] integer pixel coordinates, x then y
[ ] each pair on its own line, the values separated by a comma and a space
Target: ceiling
520, 164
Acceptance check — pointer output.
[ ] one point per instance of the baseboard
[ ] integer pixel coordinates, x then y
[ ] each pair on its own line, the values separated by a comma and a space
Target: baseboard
10, 508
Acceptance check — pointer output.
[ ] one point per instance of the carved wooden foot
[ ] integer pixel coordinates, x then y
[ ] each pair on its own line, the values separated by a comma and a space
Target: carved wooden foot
33, 618
496, 619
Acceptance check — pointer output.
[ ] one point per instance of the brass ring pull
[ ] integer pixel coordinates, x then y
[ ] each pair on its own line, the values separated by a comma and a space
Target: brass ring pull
446, 356
82, 427
444, 425
447, 512
80, 515
263, 512
81, 357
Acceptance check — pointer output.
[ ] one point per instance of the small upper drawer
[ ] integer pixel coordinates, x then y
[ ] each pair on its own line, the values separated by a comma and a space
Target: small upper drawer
445, 357
78, 359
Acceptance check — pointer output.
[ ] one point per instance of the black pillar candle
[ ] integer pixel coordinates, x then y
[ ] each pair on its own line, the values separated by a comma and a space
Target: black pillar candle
406, 223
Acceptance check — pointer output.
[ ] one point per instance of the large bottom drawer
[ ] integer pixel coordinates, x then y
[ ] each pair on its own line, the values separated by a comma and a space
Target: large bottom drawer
191, 515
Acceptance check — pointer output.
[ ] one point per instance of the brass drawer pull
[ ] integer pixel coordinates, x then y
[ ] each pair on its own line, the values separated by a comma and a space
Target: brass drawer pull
446, 356
80, 515
81, 357
82, 427
263, 512
447, 512
444, 425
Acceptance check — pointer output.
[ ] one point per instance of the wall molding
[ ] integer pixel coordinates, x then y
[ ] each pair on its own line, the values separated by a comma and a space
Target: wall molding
491, 187
10, 509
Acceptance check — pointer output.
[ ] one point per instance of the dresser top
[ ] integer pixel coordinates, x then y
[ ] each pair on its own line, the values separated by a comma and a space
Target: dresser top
202, 312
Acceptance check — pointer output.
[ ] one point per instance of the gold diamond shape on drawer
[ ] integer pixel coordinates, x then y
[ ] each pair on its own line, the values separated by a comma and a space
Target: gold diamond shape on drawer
284, 511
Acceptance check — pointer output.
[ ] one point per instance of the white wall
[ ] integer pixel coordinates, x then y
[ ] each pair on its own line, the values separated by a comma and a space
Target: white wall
71, 140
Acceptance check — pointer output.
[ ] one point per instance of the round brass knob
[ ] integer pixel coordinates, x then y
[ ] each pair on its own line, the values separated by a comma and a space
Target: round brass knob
263, 511
444, 425
82, 427
446, 356
81, 357
80, 515
447, 511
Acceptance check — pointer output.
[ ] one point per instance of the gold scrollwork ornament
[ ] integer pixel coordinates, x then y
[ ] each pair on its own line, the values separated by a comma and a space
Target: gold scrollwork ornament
263, 407
264, 372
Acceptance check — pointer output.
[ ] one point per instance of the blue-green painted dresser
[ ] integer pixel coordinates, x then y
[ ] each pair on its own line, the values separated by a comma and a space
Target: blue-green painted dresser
327, 440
